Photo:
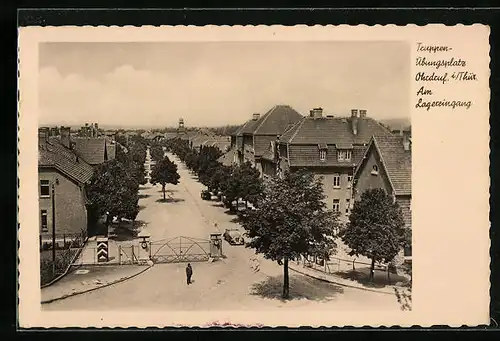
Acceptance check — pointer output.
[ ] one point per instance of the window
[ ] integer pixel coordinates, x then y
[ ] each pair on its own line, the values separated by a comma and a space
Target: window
349, 181
375, 170
322, 155
336, 205
347, 205
336, 181
344, 155
44, 188
43, 221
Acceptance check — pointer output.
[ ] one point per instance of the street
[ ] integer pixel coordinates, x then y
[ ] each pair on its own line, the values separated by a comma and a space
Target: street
228, 284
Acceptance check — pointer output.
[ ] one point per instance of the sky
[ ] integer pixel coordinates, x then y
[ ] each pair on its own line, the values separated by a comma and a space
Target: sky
218, 83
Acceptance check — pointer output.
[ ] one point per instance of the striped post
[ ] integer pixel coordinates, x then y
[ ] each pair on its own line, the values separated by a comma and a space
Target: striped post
102, 250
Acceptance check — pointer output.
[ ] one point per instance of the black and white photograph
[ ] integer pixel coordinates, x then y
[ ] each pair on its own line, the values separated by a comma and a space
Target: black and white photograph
276, 174
240, 175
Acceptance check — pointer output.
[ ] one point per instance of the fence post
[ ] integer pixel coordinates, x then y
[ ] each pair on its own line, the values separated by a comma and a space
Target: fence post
353, 267
338, 265
94, 257
120, 254
133, 255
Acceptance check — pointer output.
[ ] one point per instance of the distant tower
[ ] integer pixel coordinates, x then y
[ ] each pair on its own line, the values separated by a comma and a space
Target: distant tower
181, 129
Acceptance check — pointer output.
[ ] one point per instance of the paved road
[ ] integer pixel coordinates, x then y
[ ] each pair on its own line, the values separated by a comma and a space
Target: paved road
229, 284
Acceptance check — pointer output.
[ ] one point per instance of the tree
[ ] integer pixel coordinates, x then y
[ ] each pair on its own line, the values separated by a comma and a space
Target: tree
121, 139
375, 228
251, 184
290, 220
121, 155
218, 180
207, 160
233, 188
157, 152
165, 172
135, 169
112, 191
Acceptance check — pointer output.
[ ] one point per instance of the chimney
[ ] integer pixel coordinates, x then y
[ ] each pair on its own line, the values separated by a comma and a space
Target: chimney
362, 114
354, 121
43, 136
66, 136
317, 113
256, 116
406, 140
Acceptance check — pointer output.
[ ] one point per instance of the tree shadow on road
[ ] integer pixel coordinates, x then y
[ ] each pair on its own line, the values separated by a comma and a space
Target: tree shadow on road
170, 200
144, 196
121, 234
236, 220
126, 231
380, 280
141, 207
168, 191
301, 287
229, 212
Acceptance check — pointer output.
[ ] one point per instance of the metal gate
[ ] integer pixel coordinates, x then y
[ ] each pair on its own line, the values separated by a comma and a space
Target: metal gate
180, 249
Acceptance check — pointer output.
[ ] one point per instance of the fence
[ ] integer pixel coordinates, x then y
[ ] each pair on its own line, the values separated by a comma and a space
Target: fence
354, 268
67, 248
62, 240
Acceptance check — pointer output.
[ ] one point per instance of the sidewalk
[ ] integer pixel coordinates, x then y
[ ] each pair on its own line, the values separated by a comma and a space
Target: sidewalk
389, 289
88, 278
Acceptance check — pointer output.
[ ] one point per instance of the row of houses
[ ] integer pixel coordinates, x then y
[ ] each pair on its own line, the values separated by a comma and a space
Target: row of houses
200, 137
65, 165
351, 153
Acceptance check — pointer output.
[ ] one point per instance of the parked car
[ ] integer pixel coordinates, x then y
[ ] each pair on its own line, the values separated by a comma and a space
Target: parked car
206, 195
234, 237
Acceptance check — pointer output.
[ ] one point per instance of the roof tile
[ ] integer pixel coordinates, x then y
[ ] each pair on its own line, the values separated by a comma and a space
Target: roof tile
335, 130
50, 154
397, 162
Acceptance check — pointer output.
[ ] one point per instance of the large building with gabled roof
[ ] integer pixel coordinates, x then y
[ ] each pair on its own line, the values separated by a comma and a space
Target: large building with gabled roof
62, 176
252, 139
330, 147
387, 164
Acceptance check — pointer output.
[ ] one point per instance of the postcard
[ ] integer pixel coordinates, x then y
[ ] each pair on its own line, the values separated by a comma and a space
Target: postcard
253, 176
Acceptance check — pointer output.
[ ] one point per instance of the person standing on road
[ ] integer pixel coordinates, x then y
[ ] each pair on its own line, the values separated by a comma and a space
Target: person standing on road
189, 273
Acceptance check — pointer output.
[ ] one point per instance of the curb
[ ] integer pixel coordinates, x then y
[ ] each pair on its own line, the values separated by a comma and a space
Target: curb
99, 287
343, 284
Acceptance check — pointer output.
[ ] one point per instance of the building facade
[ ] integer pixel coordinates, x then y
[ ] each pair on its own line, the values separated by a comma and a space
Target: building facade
252, 140
386, 164
330, 147
62, 176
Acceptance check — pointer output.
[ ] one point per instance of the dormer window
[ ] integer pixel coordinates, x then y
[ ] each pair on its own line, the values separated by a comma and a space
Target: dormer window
375, 170
322, 151
322, 155
344, 155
